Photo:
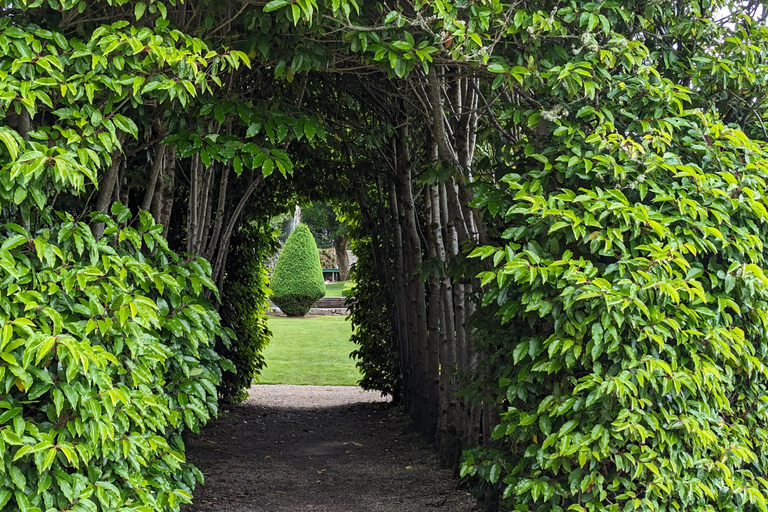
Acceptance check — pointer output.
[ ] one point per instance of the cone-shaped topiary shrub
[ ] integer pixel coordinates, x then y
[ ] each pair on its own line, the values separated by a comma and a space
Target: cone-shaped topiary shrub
297, 282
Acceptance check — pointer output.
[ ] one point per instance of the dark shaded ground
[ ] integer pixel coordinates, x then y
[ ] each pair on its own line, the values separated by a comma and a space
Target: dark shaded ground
318, 448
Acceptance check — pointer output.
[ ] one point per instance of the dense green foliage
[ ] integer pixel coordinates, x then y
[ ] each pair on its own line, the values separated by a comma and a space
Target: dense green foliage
107, 357
244, 302
297, 282
609, 152
348, 290
371, 326
626, 310
107, 340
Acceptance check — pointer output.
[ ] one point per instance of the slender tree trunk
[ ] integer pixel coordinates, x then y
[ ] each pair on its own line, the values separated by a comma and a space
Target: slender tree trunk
218, 268
434, 318
123, 193
207, 210
193, 206
107, 186
213, 243
416, 289
157, 169
25, 124
401, 305
162, 201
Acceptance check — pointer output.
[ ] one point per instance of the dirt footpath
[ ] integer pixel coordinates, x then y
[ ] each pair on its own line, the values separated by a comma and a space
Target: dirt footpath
318, 448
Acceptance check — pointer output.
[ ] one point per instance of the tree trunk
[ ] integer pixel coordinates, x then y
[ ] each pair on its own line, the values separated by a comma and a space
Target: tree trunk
234, 218
400, 325
157, 169
417, 309
162, 201
107, 186
213, 243
342, 258
434, 317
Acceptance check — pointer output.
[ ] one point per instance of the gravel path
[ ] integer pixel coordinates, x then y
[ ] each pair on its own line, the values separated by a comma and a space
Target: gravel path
318, 448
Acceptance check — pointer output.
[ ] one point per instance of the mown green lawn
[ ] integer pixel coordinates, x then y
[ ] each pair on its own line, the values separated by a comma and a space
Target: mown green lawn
310, 351
334, 289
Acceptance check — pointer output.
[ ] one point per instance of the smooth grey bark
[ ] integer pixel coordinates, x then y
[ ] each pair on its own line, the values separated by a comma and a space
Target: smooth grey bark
234, 218
193, 207
401, 316
220, 213
434, 318
25, 124
121, 191
426, 395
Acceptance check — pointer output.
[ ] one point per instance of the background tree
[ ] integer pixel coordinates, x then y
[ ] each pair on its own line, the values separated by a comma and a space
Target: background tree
328, 231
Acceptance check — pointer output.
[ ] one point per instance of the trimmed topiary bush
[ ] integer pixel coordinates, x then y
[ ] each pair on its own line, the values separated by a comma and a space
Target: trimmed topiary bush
297, 282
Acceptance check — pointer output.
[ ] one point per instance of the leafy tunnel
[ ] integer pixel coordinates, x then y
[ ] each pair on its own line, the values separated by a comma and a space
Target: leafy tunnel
558, 210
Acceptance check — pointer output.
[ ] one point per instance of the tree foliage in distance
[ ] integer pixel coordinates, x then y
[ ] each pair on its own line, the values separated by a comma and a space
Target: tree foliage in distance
322, 222
628, 280
329, 231
297, 282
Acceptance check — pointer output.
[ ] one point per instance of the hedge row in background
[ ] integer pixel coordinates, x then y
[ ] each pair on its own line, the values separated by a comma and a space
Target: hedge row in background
371, 327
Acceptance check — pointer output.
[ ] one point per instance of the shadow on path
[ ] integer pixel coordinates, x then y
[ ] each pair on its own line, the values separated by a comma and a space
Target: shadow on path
318, 448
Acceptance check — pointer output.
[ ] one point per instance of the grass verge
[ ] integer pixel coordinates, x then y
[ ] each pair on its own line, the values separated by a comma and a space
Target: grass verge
310, 351
334, 289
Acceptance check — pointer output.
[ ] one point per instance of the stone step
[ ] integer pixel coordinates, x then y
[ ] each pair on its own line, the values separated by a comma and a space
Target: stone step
330, 302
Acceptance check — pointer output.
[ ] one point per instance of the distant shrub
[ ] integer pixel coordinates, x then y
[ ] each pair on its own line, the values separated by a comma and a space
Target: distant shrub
297, 282
348, 290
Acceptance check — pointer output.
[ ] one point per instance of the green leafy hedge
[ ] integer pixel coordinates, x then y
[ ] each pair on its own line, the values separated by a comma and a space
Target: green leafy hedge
297, 282
631, 305
106, 359
348, 290
244, 303
626, 309
371, 328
